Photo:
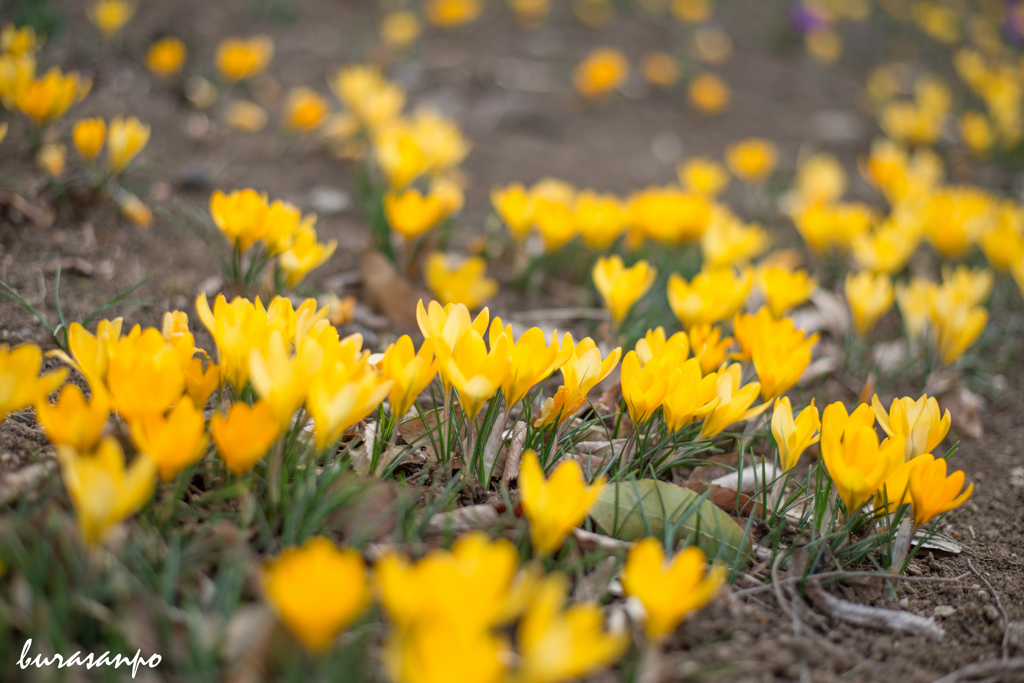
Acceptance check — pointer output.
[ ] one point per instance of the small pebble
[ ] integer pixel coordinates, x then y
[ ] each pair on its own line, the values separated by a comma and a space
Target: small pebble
944, 610
905, 602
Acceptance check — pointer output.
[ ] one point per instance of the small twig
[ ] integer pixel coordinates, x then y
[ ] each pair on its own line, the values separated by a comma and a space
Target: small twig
999, 606
784, 603
981, 668
863, 615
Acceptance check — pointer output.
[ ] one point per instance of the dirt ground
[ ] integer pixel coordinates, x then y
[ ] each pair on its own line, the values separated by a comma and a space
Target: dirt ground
509, 89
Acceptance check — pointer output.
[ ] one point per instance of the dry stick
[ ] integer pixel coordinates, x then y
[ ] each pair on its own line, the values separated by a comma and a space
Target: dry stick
843, 575
999, 605
863, 615
783, 602
989, 666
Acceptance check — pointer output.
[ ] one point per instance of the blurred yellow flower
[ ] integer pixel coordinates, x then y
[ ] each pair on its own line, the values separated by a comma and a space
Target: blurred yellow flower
915, 303
16, 73
554, 507
133, 208
399, 29
727, 241
238, 59
304, 254
144, 375
691, 11
245, 435
515, 207
282, 378
668, 215
410, 372
452, 13
125, 139
784, 289
977, 133
466, 284
825, 45
102, 490
622, 287
317, 590
166, 56
957, 217
51, 158
173, 442
711, 296
44, 100
669, 588
603, 71
708, 93
712, 45
888, 248
555, 221
3, 131
411, 214
794, 436
1004, 244
73, 421
833, 225
692, 397
304, 110
870, 296
245, 116
820, 179
110, 15
734, 402
372, 99
779, 352
18, 40
857, 464
580, 373
708, 346
752, 160
932, 492
88, 136
660, 69
703, 175
645, 385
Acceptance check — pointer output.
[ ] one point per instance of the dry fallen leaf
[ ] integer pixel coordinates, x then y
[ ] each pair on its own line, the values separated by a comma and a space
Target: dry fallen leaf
389, 292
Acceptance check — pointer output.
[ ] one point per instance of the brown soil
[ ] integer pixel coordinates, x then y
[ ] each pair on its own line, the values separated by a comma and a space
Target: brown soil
509, 89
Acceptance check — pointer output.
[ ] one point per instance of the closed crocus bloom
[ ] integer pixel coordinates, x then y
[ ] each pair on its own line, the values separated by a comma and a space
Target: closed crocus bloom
126, 139
476, 372
971, 286
660, 69
515, 206
440, 652
20, 382
102, 490
870, 296
445, 325
240, 216
144, 376
728, 241
400, 156
555, 506
621, 287
316, 590
668, 215
600, 219
18, 40
734, 402
304, 255
245, 116
17, 72
452, 13
280, 378
580, 373
411, 214
110, 15
235, 327
654, 344
173, 442
825, 226
703, 175
603, 71
585, 646
856, 462
90, 354
957, 323
820, 179
977, 133
785, 289
134, 209
166, 56
409, 372
886, 250
372, 99
239, 59
708, 346
920, 422
51, 158
915, 303
532, 360
339, 397
691, 397
752, 160
932, 492
781, 357
73, 421
644, 387
46, 99
448, 189
1004, 244
669, 589
794, 436
466, 284
399, 29
708, 93
304, 110
88, 136
711, 296
748, 328
200, 381
244, 435
957, 217
555, 222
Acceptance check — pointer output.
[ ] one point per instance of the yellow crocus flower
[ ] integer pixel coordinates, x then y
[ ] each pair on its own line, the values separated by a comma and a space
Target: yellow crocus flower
144, 376
531, 361
586, 648
820, 179
1004, 244
88, 136
90, 354
889, 248
603, 71
303, 255
668, 215
784, 289
475, 372
692, 396
977, 133
711, 296
245, 435
703, 175
18, 40
734, 402
654, 344
915, 303
557, 505
957, 217
514, 205
780, 353
411, 214
445, 325
452, 13
708, 346
728, 241
622, 287
644, 387
957, 321
580, 373
555, 222
304, 110
708, 93
16, 73
466, 284
46, 99
51, 158
752, 160
857, 464
794, 436
316, 590
399, 29
73, 421
125, 140
919, 422
409, 371
236, 328
173, 442
341, 396
600, 219
669, 588
238, 59
199, 381
103, 491
166, 56
870, 296
833, 225
21, 385
373, 100
245, 116
932, 492
109, 16
280, 378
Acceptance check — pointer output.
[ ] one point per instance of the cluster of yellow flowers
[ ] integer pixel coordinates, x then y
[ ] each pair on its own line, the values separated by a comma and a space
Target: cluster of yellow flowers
247, 220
